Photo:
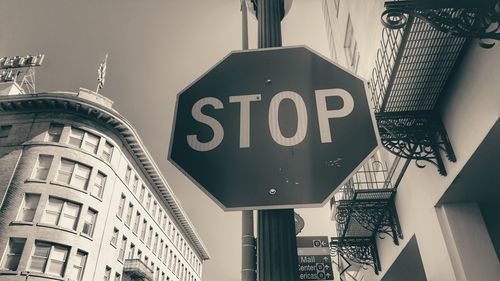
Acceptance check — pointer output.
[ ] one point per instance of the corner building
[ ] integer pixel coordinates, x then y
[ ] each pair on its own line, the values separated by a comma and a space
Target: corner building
81, 197
426, 206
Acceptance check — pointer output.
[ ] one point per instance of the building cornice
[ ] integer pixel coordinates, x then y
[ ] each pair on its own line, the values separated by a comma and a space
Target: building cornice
73, 103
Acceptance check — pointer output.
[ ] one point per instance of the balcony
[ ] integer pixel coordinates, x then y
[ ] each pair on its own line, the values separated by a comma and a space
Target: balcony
137, 270
421, 47
364, 210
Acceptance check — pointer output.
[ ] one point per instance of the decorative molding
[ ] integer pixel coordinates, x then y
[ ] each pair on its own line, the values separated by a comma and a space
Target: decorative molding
361, 250
419, 136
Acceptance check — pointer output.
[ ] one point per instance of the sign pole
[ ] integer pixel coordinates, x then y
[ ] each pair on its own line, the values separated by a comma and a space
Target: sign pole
277, 245
248, 249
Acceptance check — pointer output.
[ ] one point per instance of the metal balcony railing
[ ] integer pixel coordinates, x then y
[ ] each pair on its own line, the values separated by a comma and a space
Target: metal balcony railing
137, 270
364, 210
421, 47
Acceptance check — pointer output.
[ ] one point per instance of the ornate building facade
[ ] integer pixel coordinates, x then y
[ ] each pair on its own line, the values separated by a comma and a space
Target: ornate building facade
81, 197
432, 191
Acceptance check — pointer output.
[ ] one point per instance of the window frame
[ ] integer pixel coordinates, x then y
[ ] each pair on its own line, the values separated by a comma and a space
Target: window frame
49, 259
8, 253
51, 135
85, 139
73, 174
36, 168
92, 223
61, 213
80, 267
22, 209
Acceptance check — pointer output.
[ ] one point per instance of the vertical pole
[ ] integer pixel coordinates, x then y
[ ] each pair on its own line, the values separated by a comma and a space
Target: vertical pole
248, 249
277, 244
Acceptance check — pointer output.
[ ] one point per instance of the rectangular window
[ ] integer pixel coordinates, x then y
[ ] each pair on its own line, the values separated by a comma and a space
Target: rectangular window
99, 183
164, 222
107, 151
61, 213
155, 206
79, 261
123, 246
165, 254
54, 133
107, 273
127, 175
89, 222
137, 221
135, 184
76, 137
13, 253
350, 45
5, 130
128, 218
117, 276
169, 231
141, 195
114, 238
150, 236
131, 251
85, 140
49, 258
42, 167
121, 206
143, 230
139, 254
155, 244
170, 259
28, 208
160, 249
73, 174
148, 201
90, 143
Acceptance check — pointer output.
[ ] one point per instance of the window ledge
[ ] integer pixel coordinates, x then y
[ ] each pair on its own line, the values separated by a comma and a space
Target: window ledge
21, 223
56, 227
86, 236
39, 274
95, 197
8, 272
68, 186
112, 244
35, 180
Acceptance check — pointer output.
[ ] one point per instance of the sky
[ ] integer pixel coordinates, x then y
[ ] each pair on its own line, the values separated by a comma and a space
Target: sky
156, 48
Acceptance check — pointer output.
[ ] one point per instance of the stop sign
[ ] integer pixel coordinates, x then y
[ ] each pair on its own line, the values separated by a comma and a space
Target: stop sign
272, 128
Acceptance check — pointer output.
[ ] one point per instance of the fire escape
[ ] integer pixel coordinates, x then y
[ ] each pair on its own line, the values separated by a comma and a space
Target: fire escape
422, 45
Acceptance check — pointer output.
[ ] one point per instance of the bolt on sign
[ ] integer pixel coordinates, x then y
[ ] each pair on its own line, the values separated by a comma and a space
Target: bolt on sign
273, 128
315, 262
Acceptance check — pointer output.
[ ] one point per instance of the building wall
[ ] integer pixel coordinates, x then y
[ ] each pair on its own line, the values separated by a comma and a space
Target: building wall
19, 153
469, 111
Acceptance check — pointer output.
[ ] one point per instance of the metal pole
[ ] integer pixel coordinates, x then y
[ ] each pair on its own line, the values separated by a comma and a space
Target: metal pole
248, 249
277, 244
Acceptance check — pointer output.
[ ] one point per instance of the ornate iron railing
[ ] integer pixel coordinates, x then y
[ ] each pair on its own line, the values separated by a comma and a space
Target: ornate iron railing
460, 18
364, 210
421, 48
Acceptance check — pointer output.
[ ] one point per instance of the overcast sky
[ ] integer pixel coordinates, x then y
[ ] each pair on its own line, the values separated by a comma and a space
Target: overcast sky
156, 48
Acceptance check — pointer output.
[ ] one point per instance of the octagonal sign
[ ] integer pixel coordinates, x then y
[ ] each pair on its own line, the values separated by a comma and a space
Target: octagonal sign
273, 128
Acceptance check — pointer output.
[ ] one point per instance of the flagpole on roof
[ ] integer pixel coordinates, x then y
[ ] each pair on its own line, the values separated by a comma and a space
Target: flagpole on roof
101, 74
